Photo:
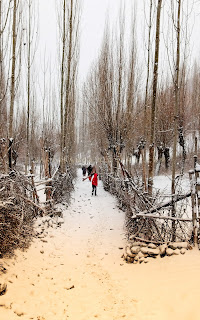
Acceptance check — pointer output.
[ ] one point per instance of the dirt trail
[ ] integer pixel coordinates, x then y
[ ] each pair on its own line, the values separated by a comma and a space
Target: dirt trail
78, 274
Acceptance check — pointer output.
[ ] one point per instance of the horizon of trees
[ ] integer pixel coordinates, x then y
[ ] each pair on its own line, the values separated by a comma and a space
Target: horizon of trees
123, 112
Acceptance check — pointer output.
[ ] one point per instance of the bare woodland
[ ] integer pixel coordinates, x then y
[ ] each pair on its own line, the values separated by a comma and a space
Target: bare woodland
133, 118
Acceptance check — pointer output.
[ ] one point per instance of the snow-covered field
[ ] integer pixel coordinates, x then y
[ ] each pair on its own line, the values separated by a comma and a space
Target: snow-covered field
163, 183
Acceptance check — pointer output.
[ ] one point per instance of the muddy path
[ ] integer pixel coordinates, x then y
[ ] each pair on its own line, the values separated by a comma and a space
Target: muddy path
77, 273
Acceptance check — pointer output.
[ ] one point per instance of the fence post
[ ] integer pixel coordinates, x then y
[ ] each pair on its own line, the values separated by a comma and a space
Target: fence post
35, 195
10, 154
194, 205
197, 173
4, 151
195, 161
195, 147
47, 165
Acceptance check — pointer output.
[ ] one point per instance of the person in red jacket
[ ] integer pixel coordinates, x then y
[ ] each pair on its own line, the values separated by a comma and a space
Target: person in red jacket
94, 183
94, 178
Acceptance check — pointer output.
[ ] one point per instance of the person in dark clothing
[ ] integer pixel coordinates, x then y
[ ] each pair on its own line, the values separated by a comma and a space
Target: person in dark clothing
84, 170
89, 170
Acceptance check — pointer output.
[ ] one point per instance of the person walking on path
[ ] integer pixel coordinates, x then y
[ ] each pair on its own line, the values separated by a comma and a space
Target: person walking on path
84, 170
89, 169
94, 178
94, 183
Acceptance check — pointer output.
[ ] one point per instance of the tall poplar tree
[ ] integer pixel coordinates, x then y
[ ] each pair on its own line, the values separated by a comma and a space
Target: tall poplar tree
153, 103
69, 31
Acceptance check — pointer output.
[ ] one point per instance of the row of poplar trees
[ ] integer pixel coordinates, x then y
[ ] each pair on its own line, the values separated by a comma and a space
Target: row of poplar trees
136, 107
34, 110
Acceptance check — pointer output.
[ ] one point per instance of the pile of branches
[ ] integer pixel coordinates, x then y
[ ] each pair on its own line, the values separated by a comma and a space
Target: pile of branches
63, 185
17, 212
129, 191
148, 218
160, 229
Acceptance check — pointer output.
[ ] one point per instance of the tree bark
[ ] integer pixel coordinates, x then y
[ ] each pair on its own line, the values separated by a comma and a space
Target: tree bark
69, 67
12, 90
28, 89
153, 105
62, 88
176, 114
146, 97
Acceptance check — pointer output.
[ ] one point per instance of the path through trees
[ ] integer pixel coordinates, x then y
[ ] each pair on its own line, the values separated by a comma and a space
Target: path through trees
77, 273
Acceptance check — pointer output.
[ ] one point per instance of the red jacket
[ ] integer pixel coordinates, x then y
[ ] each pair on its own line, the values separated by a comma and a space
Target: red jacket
95, 179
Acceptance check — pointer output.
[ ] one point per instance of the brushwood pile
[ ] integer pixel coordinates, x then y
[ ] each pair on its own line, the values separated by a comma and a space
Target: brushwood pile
63, 185
17, 212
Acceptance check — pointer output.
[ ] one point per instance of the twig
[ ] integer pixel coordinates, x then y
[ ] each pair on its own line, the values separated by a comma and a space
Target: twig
32, 203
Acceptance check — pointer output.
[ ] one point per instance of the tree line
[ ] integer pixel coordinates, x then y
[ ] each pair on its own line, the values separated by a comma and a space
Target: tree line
134, 109
144, 111
37, 112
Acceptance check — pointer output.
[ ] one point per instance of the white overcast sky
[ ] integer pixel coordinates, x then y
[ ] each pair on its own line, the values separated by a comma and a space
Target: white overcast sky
93, 17
92, 26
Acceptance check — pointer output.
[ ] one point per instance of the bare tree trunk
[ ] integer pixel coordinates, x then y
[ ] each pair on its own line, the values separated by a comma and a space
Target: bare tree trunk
28, 89
176, 115
69, 67
119, 89
146, 97
153, 105
10, 154
3, 80
129, 119
62, 89
12, 90
1, 67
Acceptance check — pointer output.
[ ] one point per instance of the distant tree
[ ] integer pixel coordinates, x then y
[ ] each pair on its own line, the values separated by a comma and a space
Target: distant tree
13, 79
4, 15
31, 42
69, 31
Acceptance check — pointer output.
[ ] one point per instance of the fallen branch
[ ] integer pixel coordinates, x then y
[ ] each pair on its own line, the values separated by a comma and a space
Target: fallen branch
167, 204
38, 183
153, 216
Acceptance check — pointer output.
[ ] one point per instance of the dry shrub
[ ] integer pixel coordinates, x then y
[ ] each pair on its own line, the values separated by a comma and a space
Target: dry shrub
63, 185
16, 213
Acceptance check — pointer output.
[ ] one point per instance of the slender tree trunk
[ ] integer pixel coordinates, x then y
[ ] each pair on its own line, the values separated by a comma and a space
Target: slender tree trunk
1, 69
69, 67
28, 89
62, 89
146, 96
12, 90
176, 115
153, 105
120, 64
3, 106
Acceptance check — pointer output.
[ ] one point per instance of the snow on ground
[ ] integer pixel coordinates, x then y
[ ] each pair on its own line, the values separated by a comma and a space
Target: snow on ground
163, 183
77, 273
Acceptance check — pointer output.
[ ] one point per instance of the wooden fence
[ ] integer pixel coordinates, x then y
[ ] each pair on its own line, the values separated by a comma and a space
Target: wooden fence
152, 221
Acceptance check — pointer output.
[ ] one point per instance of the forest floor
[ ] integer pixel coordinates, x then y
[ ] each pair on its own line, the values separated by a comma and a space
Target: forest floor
78, 273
